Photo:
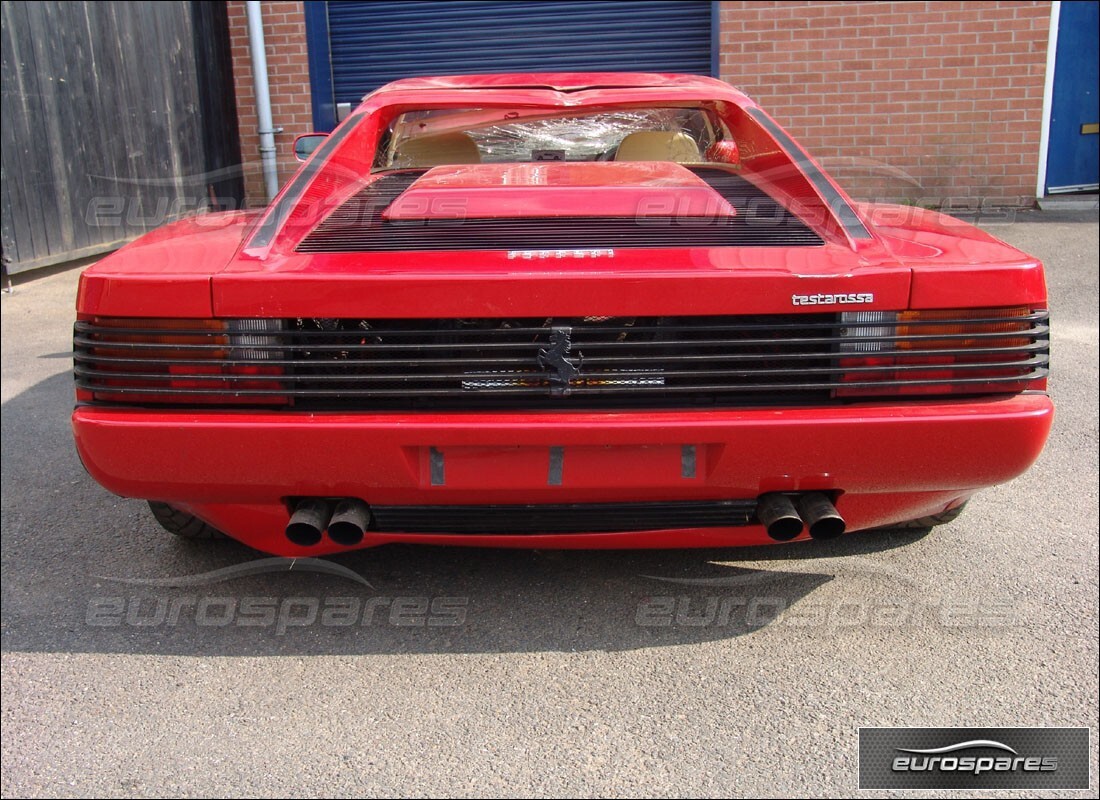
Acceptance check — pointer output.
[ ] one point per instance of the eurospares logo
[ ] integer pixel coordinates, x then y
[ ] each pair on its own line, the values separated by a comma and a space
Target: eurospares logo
973, 758
953, 758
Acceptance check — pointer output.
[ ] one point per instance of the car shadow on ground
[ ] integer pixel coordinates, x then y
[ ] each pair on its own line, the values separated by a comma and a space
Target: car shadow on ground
84, 571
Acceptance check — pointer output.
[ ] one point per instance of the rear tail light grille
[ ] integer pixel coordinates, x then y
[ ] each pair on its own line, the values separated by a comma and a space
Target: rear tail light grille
560, 363
179, 361
936, 352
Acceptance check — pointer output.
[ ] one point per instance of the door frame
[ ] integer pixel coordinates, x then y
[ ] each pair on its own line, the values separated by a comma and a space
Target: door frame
1048, 99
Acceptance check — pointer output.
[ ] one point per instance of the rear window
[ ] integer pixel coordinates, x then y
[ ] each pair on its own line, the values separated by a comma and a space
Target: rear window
428, 138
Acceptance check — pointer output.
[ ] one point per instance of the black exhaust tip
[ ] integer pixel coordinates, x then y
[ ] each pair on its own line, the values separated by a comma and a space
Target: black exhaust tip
778, 515
821, 516
308, 522
349, 522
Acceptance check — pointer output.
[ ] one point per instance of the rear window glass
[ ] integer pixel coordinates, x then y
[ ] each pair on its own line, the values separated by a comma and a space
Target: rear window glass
420, 139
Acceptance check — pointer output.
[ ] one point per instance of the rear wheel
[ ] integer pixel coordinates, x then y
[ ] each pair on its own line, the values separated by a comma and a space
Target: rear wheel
181, 523
930, 521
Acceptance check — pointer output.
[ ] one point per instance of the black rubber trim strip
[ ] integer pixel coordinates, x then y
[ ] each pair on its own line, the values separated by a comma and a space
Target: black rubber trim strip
438, 467
557, 462
851, 222
687, 461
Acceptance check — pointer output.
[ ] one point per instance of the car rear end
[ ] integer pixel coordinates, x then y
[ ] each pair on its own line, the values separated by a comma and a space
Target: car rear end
599, 355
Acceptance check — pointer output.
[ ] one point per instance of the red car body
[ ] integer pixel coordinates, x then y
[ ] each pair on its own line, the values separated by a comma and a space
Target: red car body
888, 359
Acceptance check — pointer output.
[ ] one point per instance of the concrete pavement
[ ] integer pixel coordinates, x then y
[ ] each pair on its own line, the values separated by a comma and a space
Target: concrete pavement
497, 673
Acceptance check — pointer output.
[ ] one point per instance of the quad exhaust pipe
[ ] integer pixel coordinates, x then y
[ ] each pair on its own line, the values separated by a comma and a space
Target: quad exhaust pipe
821, 516
308, 522
349, 522
345, 520
778, 514
784, 516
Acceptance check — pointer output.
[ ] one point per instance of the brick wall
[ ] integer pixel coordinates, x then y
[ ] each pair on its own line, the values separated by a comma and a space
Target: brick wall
923, 101
927, 102
288, 80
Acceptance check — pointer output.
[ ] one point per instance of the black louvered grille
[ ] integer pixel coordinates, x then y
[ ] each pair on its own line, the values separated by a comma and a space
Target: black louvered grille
357, 226
531, 362
562, 517
558, 363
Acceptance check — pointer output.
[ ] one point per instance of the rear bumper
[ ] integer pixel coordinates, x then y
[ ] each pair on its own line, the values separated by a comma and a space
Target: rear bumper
889, 462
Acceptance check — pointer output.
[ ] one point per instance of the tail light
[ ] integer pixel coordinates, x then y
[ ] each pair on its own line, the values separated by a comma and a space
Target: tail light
952, 352
179, 361
277, 363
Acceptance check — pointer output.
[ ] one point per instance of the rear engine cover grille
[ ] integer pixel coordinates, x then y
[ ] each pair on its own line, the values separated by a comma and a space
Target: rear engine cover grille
357, 226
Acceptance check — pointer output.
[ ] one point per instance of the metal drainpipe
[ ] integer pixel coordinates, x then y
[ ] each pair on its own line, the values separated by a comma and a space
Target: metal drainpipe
263, 98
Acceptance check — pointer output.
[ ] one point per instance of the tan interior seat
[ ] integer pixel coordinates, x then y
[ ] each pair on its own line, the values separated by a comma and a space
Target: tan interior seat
435, 151
659, 146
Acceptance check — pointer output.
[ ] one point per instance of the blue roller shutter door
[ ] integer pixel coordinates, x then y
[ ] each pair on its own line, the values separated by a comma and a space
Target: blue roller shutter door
373, 43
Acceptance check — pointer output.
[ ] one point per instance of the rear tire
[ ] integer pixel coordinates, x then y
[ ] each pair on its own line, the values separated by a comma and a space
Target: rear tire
930, 521
182, 524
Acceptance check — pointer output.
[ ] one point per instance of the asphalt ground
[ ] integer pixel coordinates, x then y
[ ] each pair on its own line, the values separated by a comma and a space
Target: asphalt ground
480, 672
